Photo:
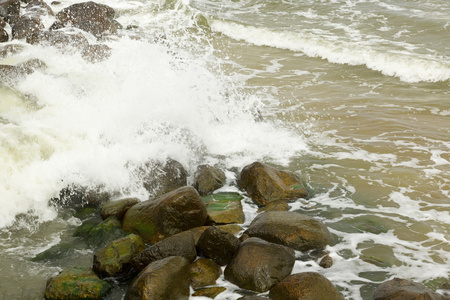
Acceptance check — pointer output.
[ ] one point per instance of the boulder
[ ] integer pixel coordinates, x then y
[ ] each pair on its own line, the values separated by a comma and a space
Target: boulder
210, 292
265, 184
291, 229
259, 265
231, 228
105, 232
89, 16
204, 272
60, 250
115, 258
225, 208
80, 196
162, 177
207, 179
76, 283
218, 245
96, 53
308, 285
39, 8
404, 289
181, 244
10, 10
25, 27
117, 208
273, 206
4, 36
163, 279
326, 262
58, 40
166, 215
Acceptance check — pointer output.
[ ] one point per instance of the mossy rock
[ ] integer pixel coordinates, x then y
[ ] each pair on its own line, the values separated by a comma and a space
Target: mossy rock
225, 208
84, 229
210, 292
76, 283
85, 213
105, 232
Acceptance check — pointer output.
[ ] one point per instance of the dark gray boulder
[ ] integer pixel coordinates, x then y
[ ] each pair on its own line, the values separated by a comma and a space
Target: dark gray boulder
218, 245
117, 208
259, 265
207, 179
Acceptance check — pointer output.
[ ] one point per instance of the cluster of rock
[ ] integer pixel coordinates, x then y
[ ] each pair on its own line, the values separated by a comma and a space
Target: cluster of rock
25, 20
186, 239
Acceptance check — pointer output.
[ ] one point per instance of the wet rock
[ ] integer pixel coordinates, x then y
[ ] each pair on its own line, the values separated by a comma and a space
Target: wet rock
39, 8
218, 245
326, 262
96, 53
58, 251
162, 177
231, 228
163, 279
79, 196
308, 285
8, 72
252, 298
91, 17
404, 289
181, 244
274, 206
204, 272
105, 232
10, 49
58, 40
84, 213
115, 258
210, 292
25, 27
2, 22
10, 10
225, 208
166, 215
84, 229
207, 179
117, 208
265, 184
4, 36
259, 265
76, 283
291, 229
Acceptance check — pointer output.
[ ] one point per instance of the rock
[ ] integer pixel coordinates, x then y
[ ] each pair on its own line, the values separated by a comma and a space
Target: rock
87, 225
2, 22
259, 265
326, 262
10, 10
163, 279
117, 208
265, 184
166, 215
58, 251
39, 8
58, 40
181, 244
218, 245
291, 229
25, 27
96, 53
211, 292
79, 196
204, 272
4, 36
76, 283
91, 17
252, 298
273, 206
207, 179
225, 208
162, 177
231, 228
115, 258
105, 232
308, 285
21, 69
10, 49
404, 289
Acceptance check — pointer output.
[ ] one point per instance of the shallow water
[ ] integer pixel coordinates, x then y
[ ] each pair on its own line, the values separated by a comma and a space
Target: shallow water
353, 96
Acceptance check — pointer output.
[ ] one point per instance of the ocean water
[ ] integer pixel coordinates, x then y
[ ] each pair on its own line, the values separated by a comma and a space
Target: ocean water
353, 96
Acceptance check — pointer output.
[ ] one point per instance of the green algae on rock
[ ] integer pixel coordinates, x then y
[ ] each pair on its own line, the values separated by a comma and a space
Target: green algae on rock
225, 208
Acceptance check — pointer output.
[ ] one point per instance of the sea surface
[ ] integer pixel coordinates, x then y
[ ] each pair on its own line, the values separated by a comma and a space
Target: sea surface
353, 96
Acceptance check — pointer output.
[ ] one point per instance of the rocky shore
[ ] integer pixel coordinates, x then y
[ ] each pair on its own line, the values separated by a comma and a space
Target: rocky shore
181, 241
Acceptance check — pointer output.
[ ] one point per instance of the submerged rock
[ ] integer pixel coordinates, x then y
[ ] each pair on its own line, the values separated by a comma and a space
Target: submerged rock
225, 208
204, 272
308, 285
115, 258
218, 245
404, 289
291, 229
259, 265
181, 244
207, 179
58, 251
265, 184
96, 53
58, 40
167, 278
76, 283
117, 208
166, 215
